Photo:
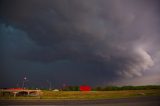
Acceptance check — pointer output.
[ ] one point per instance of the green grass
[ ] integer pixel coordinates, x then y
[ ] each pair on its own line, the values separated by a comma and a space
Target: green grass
91, 95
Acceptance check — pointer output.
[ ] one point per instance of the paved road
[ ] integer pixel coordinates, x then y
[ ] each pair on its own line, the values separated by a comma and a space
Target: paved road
140, 101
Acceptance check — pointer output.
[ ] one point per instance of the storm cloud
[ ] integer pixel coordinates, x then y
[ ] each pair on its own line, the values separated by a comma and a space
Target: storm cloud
92, 42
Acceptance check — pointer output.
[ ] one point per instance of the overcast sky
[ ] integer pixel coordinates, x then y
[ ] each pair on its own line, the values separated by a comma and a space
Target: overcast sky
77, 42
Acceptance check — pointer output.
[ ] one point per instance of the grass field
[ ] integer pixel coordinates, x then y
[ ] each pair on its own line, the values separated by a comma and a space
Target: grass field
98, 94
91, 95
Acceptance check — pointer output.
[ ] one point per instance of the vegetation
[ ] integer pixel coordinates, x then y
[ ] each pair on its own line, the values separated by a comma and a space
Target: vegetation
71, 88
109, 92
114, 88
85, 95
99, 94
117, 88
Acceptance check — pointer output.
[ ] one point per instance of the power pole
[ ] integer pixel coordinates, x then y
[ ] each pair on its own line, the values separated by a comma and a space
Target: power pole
49, 85
24, 80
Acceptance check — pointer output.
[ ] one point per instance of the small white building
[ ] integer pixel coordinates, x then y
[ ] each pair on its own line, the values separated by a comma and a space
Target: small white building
56, 90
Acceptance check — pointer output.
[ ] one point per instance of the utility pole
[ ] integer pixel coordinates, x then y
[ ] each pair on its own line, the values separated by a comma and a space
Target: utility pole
24, 80
17, 85
49, 85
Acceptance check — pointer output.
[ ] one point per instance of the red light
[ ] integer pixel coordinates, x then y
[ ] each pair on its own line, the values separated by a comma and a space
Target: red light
85, 88
15, 89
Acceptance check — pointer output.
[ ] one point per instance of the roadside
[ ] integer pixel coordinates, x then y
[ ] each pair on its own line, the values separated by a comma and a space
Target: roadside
138, 101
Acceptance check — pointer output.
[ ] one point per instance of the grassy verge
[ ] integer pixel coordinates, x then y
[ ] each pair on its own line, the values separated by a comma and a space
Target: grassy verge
91, 95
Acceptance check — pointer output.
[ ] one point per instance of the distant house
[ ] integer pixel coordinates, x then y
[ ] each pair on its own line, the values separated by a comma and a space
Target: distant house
85, 88
56, 90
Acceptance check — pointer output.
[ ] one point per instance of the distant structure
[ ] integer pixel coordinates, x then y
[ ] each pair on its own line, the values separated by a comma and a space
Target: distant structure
24, 81
20, 92
56, 90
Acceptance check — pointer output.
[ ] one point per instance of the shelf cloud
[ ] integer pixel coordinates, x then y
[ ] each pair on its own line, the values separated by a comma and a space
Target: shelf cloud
92, 42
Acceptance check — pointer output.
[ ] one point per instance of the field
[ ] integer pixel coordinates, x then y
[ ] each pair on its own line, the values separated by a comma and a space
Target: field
90, 95
98, 94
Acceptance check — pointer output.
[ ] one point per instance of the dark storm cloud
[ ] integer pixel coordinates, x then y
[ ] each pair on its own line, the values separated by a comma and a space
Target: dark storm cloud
104, 39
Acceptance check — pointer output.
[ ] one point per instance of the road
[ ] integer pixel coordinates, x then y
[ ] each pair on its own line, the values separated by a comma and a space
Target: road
140, 101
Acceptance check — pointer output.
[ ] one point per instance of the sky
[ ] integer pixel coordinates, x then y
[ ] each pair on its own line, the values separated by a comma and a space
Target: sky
79, 42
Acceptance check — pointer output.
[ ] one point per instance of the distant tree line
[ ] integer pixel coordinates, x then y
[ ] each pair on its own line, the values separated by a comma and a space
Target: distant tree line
71, 88
114, 88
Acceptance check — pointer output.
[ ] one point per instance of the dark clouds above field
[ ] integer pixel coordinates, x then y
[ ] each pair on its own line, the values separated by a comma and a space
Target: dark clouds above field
95, 42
